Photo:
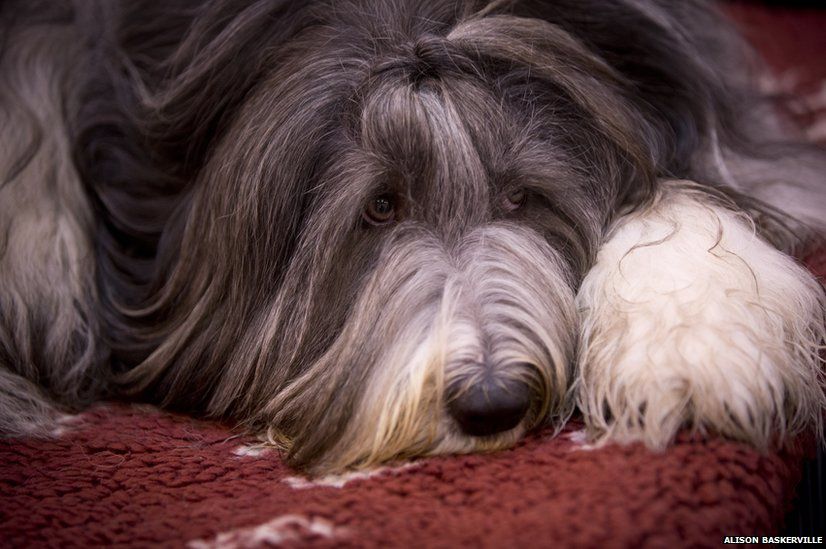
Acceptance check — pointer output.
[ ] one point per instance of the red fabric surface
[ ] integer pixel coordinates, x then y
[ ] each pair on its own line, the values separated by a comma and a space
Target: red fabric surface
134, 476
788, 39
793, 44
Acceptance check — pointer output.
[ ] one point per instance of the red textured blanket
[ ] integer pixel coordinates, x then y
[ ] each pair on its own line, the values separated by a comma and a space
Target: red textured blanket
137, 477
134, 476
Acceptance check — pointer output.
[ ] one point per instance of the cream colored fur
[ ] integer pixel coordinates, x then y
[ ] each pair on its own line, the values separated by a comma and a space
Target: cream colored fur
691, 319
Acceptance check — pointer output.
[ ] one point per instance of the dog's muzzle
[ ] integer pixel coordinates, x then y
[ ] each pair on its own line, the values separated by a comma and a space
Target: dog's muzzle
471, 344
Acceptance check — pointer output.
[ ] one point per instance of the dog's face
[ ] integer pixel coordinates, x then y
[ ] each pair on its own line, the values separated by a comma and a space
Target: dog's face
379, 253
359, 226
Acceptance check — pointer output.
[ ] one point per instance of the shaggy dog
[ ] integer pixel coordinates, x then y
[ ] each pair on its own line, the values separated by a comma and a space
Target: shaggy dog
376, 229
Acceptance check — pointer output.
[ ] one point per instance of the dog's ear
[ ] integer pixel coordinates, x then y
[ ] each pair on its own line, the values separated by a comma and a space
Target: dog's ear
682, 65
207, 77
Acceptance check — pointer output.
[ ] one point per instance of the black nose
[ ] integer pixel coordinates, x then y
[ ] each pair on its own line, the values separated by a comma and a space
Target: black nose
490, 406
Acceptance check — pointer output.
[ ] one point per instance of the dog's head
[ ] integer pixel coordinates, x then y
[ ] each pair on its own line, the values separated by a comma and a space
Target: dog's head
387, 209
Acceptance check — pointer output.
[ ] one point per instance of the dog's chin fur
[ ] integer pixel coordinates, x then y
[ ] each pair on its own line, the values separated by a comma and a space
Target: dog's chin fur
184, 219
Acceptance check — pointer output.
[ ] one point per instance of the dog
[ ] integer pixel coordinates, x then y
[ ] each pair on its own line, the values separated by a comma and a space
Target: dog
371, 230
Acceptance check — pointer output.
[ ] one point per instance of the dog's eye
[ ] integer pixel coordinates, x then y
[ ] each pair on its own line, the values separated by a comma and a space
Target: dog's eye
380, 210
514, 199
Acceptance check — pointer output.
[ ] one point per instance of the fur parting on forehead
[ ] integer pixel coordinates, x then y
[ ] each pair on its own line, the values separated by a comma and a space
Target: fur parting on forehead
422, 135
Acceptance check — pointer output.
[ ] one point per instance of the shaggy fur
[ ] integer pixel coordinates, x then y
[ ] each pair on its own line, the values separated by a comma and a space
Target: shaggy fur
188, 210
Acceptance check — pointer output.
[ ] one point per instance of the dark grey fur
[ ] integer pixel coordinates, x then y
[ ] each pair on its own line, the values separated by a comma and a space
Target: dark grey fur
212, 161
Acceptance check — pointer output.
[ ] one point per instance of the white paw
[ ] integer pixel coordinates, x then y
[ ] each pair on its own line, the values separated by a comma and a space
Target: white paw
691, 320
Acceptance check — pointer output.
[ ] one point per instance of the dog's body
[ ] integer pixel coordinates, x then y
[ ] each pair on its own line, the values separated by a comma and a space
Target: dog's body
377, 229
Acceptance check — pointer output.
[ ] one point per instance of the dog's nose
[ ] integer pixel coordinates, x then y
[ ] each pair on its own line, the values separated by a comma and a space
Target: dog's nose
490, 406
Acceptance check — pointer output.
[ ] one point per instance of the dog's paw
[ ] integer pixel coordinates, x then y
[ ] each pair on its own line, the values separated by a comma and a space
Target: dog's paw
691, 320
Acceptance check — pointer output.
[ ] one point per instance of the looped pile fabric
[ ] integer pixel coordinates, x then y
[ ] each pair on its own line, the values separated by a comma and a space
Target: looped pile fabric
133, 476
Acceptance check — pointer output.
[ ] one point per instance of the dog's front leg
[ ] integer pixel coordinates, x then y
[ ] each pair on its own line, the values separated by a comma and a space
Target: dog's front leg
691, 319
